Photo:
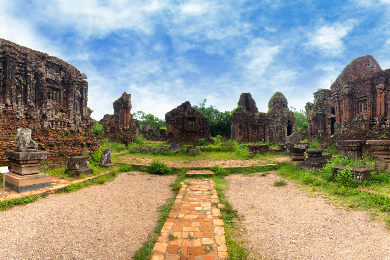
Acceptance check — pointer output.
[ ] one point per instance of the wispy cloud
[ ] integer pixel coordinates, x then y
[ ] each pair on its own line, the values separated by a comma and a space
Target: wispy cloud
328, 38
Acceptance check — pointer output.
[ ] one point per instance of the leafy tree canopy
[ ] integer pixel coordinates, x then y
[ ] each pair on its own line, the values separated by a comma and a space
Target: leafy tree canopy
148, 119
300, 120
219, 121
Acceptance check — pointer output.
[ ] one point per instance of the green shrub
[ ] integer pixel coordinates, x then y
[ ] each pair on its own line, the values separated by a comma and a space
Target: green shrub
242, 151
125, 168
139, 140
97, 129
157, 167
95, 157
314, 144
346, 178
201, 142
218, 171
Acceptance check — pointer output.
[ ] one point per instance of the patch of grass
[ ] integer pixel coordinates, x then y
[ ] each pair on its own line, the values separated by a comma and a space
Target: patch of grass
264, 174
342, 189
99, 180
229, 215
208, 248
280, 183
8, 204
125, 168
171, 237
218, 171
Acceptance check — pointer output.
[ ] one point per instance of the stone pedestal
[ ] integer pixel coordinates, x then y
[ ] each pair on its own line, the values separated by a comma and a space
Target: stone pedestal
78, 165
352, 148
314, 160
297, 150
381, 149
24, 174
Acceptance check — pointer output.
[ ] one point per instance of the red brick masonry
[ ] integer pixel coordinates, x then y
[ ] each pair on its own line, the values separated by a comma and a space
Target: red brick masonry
194, 229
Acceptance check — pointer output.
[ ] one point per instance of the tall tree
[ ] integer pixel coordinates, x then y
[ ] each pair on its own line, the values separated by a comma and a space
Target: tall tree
219, 121
148, 119
300, 119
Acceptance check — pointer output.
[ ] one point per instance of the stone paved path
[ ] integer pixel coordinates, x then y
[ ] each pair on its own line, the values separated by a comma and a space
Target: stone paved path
194, 229
140, 161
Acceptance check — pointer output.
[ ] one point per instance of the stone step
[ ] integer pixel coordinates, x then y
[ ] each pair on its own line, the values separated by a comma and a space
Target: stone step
200, 172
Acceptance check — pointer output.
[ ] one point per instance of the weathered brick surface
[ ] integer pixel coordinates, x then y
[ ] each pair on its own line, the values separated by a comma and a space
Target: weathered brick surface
356, 107
120, 126
186, 124
249, 125
49, 96
320, 116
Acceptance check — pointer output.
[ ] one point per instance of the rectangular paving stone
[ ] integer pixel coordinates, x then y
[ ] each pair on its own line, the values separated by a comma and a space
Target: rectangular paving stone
194, 222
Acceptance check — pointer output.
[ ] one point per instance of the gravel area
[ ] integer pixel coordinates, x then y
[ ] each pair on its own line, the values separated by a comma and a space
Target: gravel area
109, 221
284, 223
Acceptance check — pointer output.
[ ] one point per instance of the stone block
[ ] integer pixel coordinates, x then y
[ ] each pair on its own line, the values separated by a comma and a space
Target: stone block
314, 160
258, 149
78, 165
352, 148
23, 183
26, 156
361, 174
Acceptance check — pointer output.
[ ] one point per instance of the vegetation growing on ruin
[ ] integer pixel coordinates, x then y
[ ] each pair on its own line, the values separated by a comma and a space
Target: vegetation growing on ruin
219, 122
301, 123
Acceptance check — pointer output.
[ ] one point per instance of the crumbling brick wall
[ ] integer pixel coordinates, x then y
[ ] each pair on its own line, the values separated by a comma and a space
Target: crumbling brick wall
249, 125
120, 127
185, 124
282, 120
321, 116
49, 96
361, 99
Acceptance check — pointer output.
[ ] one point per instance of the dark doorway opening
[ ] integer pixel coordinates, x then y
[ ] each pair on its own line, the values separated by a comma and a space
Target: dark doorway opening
289, 128
332, 122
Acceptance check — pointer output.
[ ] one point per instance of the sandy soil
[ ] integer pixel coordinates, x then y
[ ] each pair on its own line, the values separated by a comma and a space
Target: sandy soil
109, 221
285, 223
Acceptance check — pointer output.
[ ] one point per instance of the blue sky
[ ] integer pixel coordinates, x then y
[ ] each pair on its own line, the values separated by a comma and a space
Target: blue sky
167, 52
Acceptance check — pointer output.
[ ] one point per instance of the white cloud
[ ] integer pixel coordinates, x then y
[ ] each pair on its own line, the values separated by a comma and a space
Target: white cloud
328, 38
193, 9
94, 17
258, 56
22, 32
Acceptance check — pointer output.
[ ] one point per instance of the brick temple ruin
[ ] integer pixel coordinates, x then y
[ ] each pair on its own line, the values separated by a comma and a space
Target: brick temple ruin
321, 116
120, 126
186, 124
249, 125
357, 106
49, 96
